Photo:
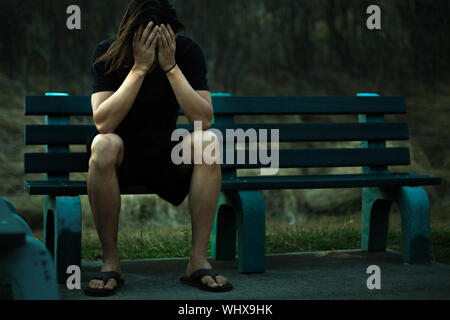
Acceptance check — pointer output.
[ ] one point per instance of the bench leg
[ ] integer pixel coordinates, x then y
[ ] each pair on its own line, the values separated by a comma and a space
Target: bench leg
223, 236
415, 215
62, 232
376, 205
251, 224
30, 271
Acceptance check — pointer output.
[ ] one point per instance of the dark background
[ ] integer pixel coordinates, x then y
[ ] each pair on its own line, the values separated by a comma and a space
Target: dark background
253, 47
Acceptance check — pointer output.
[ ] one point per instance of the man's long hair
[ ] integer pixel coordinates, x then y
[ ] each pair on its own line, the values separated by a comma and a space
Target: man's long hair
119, 56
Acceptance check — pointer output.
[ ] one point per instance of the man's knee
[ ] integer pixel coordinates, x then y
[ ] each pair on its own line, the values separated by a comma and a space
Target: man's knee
106, 151
206, 145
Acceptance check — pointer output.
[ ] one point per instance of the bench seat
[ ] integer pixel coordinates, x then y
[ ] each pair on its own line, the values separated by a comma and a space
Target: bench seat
74, 188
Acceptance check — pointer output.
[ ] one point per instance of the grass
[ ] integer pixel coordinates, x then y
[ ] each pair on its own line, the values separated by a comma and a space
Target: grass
323, 233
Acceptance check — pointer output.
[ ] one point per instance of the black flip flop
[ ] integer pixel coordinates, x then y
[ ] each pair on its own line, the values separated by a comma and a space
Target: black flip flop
105, 277
195, 281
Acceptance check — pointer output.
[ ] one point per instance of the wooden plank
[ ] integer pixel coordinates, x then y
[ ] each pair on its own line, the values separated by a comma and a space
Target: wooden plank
57, 135
309, 105
78, 134
289, 158
259, 183
318, 158
292, 132
329, 181
72, 105
75, 188
57, 106
56, 162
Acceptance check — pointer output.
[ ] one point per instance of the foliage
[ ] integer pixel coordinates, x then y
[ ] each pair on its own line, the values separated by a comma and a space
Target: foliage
307, 43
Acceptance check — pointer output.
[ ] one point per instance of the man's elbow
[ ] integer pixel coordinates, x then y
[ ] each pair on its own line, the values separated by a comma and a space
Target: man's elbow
103, 128
205, 121
206, 125
208, 120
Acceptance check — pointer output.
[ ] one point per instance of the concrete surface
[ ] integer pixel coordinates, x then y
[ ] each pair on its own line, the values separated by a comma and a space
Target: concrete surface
301, 276
321, 275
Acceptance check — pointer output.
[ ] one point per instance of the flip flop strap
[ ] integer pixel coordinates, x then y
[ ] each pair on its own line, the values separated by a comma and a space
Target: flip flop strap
197, 275
106, 276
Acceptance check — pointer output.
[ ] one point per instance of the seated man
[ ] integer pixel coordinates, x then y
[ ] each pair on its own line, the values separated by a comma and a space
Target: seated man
140, 81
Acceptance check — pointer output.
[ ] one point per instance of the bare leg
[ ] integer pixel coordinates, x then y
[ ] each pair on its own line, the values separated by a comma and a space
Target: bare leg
203, 199
104, 199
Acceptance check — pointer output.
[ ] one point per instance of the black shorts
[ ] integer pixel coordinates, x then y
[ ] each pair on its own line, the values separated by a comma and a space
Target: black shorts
146, 164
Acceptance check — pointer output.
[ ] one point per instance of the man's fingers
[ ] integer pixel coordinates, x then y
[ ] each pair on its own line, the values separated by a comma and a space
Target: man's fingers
167, 35
147, 31
151, 37
170, 36
160, 42
164, 37
154, 42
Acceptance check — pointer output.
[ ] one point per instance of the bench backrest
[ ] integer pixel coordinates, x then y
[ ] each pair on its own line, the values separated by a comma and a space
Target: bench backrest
370, 129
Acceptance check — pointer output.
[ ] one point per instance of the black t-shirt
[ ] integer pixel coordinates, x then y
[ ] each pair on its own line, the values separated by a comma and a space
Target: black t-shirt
154, 113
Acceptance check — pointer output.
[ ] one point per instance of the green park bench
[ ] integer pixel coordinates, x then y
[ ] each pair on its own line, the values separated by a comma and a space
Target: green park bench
25, 263
241, 212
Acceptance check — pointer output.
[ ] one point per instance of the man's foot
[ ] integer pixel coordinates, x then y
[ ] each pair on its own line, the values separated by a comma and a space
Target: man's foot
208, 280
111, 284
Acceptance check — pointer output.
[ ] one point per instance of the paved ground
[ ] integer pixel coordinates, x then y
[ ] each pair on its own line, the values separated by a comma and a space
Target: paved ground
311, 276
335, 275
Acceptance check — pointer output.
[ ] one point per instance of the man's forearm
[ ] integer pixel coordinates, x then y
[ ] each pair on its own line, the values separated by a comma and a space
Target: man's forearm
194, 106
110, 113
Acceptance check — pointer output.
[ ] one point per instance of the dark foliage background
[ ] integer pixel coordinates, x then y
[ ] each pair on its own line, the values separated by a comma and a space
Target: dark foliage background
305, 44
253, 47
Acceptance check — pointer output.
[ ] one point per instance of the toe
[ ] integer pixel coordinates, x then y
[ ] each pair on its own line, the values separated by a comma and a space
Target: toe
100, 284
221, 280
209, 281
96, 284
111, 284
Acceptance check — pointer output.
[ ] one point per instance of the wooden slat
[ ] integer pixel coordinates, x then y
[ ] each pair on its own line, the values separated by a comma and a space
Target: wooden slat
73, 188
56, 162
292, 132
309, 105
57, 106
78, 134
57, 135
71, 105
319, 158
329, 181
301, 158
